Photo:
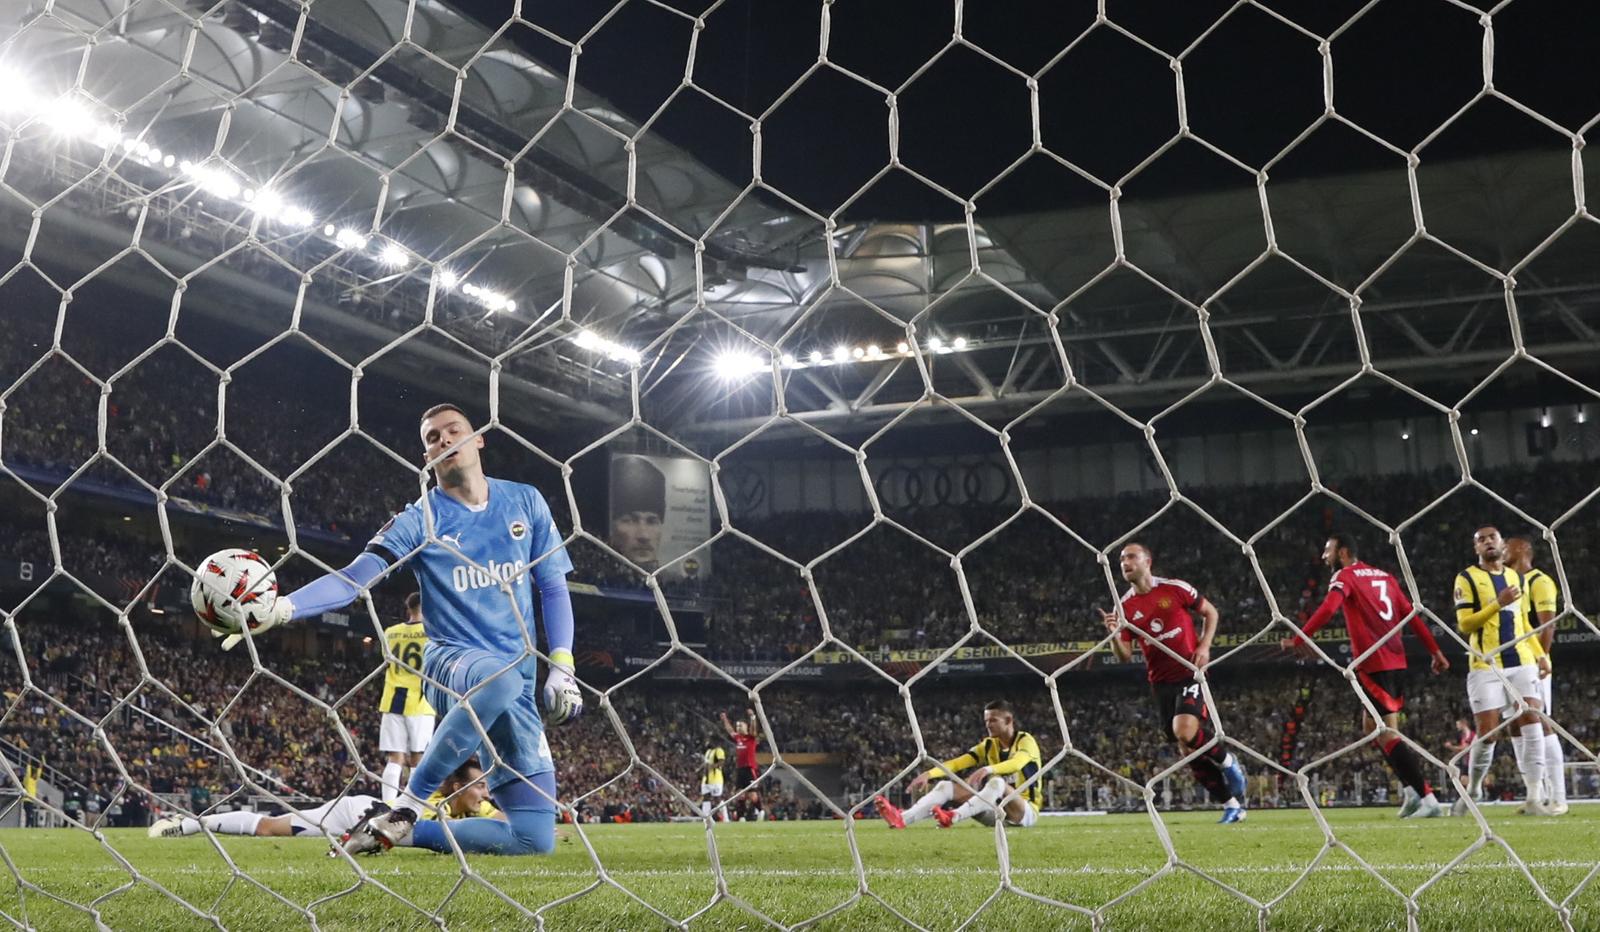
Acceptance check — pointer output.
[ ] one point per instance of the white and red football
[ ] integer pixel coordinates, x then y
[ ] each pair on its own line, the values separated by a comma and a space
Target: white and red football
229, 585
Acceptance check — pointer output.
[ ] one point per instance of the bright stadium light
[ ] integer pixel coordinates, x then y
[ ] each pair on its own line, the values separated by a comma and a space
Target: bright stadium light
448, 279
732, 364
350, 239
858, 352
936, 344
902, 347
960, 343
394, 256
841, 353
788, 361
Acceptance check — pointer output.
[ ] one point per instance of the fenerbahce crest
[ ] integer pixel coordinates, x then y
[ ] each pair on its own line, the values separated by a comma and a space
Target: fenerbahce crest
519, 530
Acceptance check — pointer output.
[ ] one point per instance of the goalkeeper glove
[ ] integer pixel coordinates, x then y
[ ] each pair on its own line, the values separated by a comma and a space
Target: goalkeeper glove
258, 620
563, 700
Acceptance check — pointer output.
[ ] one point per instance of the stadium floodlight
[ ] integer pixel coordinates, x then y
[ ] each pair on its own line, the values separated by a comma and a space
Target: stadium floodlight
297, 217
902, 347
1474, 431
394, 256
874, 351
1405, 435
816, 357
735, 364
858, 352
960, 343
788, 361
267, 203
841, 353
350, 239
936, 344
329, 230
448, 278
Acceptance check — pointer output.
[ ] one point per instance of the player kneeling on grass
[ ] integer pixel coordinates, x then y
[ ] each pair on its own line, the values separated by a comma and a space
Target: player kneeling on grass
1005, 758
465, 790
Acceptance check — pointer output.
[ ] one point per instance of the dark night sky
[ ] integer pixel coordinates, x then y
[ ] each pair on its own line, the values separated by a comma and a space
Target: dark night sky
1251, 87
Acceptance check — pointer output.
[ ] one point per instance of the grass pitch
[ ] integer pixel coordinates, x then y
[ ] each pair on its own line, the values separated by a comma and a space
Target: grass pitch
794, 871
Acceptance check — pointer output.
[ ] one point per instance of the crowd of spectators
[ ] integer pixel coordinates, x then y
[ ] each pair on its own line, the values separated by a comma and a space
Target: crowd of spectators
1028, 581
90, 700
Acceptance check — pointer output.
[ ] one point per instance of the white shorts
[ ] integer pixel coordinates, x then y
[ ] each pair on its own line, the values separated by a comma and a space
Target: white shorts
399, 734
1544, 693
711, 789
331, 818
1030, 815
1485, 691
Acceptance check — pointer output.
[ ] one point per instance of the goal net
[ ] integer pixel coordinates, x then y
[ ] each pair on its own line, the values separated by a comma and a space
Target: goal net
854, 353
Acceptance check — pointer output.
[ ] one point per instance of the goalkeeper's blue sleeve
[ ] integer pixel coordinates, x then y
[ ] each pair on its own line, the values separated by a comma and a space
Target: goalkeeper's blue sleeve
335, 591
556, 602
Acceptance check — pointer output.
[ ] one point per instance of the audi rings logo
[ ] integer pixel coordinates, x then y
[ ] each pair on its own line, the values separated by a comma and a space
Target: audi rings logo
930, 484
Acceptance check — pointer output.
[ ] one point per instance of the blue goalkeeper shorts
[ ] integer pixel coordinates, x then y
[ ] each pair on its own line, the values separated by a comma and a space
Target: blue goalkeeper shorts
518, 734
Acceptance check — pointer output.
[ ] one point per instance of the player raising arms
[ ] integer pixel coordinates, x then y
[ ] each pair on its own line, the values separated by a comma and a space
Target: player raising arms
485, 533
746, 735
1490, 612
1160, 608
1374, 604
467, 794
1006, 757
1543, 599
407, 723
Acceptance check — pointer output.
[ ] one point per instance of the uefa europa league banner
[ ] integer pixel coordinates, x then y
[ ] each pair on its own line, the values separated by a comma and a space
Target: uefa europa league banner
661, 510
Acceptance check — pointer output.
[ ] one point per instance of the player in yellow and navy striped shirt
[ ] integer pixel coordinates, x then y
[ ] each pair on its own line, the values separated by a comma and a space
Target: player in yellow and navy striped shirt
1505, 663
1006, 757
1543, 599
711, 781
407, 725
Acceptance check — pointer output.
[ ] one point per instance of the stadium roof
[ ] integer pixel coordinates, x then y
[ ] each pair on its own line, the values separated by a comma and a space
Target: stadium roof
602, 166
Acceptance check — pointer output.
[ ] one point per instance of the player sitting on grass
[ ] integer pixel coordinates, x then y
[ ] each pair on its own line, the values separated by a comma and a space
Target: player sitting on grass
1006, 757
465, 789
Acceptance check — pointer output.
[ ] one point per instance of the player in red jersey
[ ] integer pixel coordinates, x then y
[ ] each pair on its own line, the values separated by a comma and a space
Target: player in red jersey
1374, 605
746, 735
1159, 611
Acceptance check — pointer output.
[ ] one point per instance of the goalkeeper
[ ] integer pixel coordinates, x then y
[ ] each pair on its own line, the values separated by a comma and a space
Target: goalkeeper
485, 532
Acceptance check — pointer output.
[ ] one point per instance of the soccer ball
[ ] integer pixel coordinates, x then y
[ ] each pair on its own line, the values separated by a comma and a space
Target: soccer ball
228, 586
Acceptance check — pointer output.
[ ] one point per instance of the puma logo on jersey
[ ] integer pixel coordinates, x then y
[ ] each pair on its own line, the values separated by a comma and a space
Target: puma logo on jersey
1138, 616
450, 539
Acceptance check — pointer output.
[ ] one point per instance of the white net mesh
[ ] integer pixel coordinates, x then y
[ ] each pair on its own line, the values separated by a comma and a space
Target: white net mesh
245, 245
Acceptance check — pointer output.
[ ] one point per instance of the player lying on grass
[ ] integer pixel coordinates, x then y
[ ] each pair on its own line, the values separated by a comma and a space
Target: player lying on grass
1006, 757
1158, 610
1374, 604
465, 790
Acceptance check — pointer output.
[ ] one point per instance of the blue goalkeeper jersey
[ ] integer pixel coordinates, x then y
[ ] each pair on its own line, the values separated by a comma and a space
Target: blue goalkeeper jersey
462, 605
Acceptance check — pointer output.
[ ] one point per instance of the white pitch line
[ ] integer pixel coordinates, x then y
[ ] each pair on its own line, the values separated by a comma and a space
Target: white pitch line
1087, 870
